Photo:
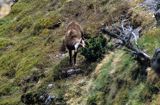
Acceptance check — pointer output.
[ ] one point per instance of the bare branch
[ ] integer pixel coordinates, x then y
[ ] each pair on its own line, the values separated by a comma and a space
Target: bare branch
128, 37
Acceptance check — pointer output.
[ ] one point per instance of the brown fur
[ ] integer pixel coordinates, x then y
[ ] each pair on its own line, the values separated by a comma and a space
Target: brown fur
73, 36
74, 32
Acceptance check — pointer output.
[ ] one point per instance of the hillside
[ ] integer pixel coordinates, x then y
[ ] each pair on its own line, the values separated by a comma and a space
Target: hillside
30, 62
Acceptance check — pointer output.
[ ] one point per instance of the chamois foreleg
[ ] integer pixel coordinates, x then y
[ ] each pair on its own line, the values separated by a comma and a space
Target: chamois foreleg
70, 55
75, 55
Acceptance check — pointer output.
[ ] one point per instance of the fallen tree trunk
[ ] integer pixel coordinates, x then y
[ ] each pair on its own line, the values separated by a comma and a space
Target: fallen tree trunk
128, 38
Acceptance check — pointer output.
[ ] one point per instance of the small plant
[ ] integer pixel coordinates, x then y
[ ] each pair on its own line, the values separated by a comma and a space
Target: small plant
95, 48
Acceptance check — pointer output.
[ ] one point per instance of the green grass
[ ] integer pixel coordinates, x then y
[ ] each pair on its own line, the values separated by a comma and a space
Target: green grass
106, 82
151, 40
26, 43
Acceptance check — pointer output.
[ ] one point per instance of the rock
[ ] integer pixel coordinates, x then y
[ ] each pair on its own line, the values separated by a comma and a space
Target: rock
49, 100
155, 62
71, 72
46, 99
12, 2
158, 6
150, 4
68, 72
154, 7
50, 86
157, 15
36, 98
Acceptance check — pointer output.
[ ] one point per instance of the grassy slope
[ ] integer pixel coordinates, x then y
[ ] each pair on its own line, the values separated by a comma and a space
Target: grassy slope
26, 43
120, 81
28, 46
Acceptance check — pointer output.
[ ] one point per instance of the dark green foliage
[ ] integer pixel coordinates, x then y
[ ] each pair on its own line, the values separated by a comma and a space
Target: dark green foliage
95, 48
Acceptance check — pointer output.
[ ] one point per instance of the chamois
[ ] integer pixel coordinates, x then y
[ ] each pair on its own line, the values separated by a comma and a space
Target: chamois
73, 39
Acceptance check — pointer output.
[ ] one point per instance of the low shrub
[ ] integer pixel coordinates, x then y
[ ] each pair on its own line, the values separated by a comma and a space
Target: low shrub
95, 48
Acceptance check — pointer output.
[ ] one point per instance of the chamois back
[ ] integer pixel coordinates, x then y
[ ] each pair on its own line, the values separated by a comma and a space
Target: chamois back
74, 29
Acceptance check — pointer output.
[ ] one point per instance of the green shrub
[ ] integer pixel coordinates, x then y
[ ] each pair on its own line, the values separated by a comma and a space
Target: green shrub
95, 48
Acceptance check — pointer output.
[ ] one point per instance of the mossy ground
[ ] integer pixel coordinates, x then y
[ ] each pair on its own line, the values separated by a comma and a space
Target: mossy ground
28, 45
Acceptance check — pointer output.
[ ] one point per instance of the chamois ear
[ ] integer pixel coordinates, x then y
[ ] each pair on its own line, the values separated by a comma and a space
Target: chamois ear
63, 47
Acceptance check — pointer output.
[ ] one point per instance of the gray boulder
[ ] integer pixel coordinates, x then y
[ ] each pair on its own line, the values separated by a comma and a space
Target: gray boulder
157, 15
155, 62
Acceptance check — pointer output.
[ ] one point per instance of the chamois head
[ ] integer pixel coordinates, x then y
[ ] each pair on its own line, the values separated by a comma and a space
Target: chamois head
79, 44
82, 43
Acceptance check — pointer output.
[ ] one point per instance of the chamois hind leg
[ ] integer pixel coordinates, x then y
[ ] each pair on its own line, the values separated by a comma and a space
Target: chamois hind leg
75, 55
70, 57
63, 47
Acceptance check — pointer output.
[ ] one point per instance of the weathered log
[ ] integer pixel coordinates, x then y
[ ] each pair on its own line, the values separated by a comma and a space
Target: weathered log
128, 37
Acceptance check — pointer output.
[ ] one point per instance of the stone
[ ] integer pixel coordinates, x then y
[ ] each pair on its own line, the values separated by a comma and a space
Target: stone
50, 86
34, 99
155, 62
157, 15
